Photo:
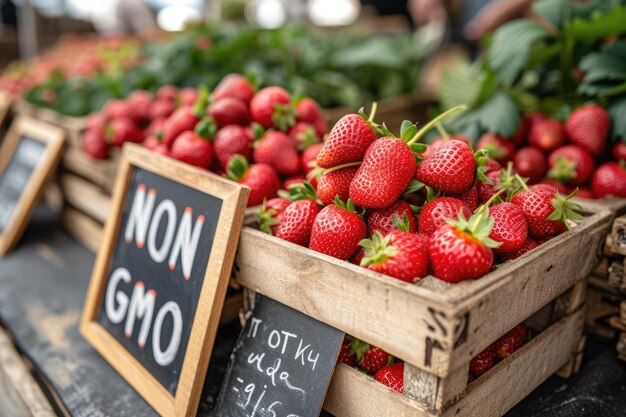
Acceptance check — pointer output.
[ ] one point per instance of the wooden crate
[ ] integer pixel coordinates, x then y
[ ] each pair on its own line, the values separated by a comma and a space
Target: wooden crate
74, 126
435, 327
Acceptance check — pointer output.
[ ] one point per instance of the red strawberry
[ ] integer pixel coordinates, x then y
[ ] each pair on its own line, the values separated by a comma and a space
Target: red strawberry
438, 141
509, 227
347, 141
308, 157
193, 149
400, 254
231, 140
337, 231
297, 222
535, 117
547, 135
522, 132
490, 165
308, 111
262, 180
609, 179
293, 180
139, 101
619, 151
121, 130
168, 92
382, 220
161, 109
528, 246
270, 107
483, 362
234, 85
183, 119
546, 216
188, 96
469, 197
461, 249
345, 352
370, 358
118, 109
95, 144
511, 341
584, 193
530, 163
335, 183
275, 149
588, 127
435, 212
302, 135
552, 185
155, 127
498, 148
358, 256
95, 121
571, 164
451, 168
387, 169
229, 111
152, 142
392, 376
271, 214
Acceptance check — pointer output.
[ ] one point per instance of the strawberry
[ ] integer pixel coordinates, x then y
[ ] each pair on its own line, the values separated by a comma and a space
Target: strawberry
399, 254
293, 180
302, 135
152, 142
528, 246
167, 92
121, 130
461, 249
619, 151
584, 193
530, 163
308, 111
546, 135
451, 168
347, 141
262, 180
139, 101
609, 179
382, 220
438, 141
571, 164
483, 362
522, 132
498, 148
271, 214
161, 109
546, 216
337, 230
308, 157
370, 358
335, 183
184, 118
188, 96
588, 127
236, 86
193, 149
155, 127
509, 227
553, 185
392, 376
490, 165
275, 150
469, 197
345, 352
271, 107
358, 256
231, 140
435, 212
535, 117
95, 144
118, 109
511, 341
297, 222
228, 111
387, 169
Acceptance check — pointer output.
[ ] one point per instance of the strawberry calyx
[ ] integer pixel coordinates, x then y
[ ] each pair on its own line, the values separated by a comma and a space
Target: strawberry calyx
202, 102
348, 205
401, 224
413, 187
564, 209
266, 218
109, 133
206, 128
380, 130
237, 168
307, 138
304, 191
563, 170
377, 249
257, 130
407, 131
478, 227
284, 116
482, 156
510, 182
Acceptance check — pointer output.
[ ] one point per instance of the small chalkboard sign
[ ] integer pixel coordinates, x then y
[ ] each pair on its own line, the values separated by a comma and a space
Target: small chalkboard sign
5, 109
28, 158
281, 365
161, 275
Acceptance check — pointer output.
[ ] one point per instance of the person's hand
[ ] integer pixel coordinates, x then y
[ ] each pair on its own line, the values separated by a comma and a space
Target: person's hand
426, 11
493, 15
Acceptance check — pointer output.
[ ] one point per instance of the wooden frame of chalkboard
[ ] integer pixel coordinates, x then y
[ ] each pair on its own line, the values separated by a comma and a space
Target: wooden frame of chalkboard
52, 138
5, 106
184, 400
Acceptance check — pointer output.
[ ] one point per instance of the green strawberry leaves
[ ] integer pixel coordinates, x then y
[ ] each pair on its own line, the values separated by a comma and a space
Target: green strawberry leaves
304, 191
401, 224
377, 249
237, 168
202, 102
413, 187
564, 209
266, 218
206, 128
482, 156
478, 226
563, 169
348, 205
380, 130
284, 116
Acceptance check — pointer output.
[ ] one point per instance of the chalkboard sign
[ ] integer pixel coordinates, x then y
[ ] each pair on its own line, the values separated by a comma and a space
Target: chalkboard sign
5, 109
161, 275
28, 158
281, 365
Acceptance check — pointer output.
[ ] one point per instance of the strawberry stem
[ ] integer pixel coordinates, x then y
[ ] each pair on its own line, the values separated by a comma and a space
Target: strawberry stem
373, 110
522, 183
433, 122
442, 131
346, 165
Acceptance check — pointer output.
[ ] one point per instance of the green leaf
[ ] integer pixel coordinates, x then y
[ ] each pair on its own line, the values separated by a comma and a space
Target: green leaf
499, 114
460, 85
511, 47
617, 110
605, 71
601, 25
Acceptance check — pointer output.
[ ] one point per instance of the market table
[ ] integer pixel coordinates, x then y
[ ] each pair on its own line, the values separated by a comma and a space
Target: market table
42, 289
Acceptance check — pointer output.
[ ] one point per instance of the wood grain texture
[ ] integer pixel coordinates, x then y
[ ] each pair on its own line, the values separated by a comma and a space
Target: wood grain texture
83, 228
86, 197
432, 325
100, 172
618, 236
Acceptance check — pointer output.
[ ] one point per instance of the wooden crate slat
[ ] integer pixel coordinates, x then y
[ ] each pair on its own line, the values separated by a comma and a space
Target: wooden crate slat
84, 229
87, 197
100, 172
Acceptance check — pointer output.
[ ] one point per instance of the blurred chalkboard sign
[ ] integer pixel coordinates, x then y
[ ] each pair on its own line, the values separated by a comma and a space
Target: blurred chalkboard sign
5, 109
161, 275
281, 365
28, 158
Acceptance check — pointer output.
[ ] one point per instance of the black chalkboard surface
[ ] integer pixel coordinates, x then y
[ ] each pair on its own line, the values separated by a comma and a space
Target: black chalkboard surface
281, 365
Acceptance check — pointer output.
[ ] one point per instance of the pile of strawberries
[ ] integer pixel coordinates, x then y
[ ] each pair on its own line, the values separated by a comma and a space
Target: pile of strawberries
567, 155
499, 350
259, 139
393, 206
